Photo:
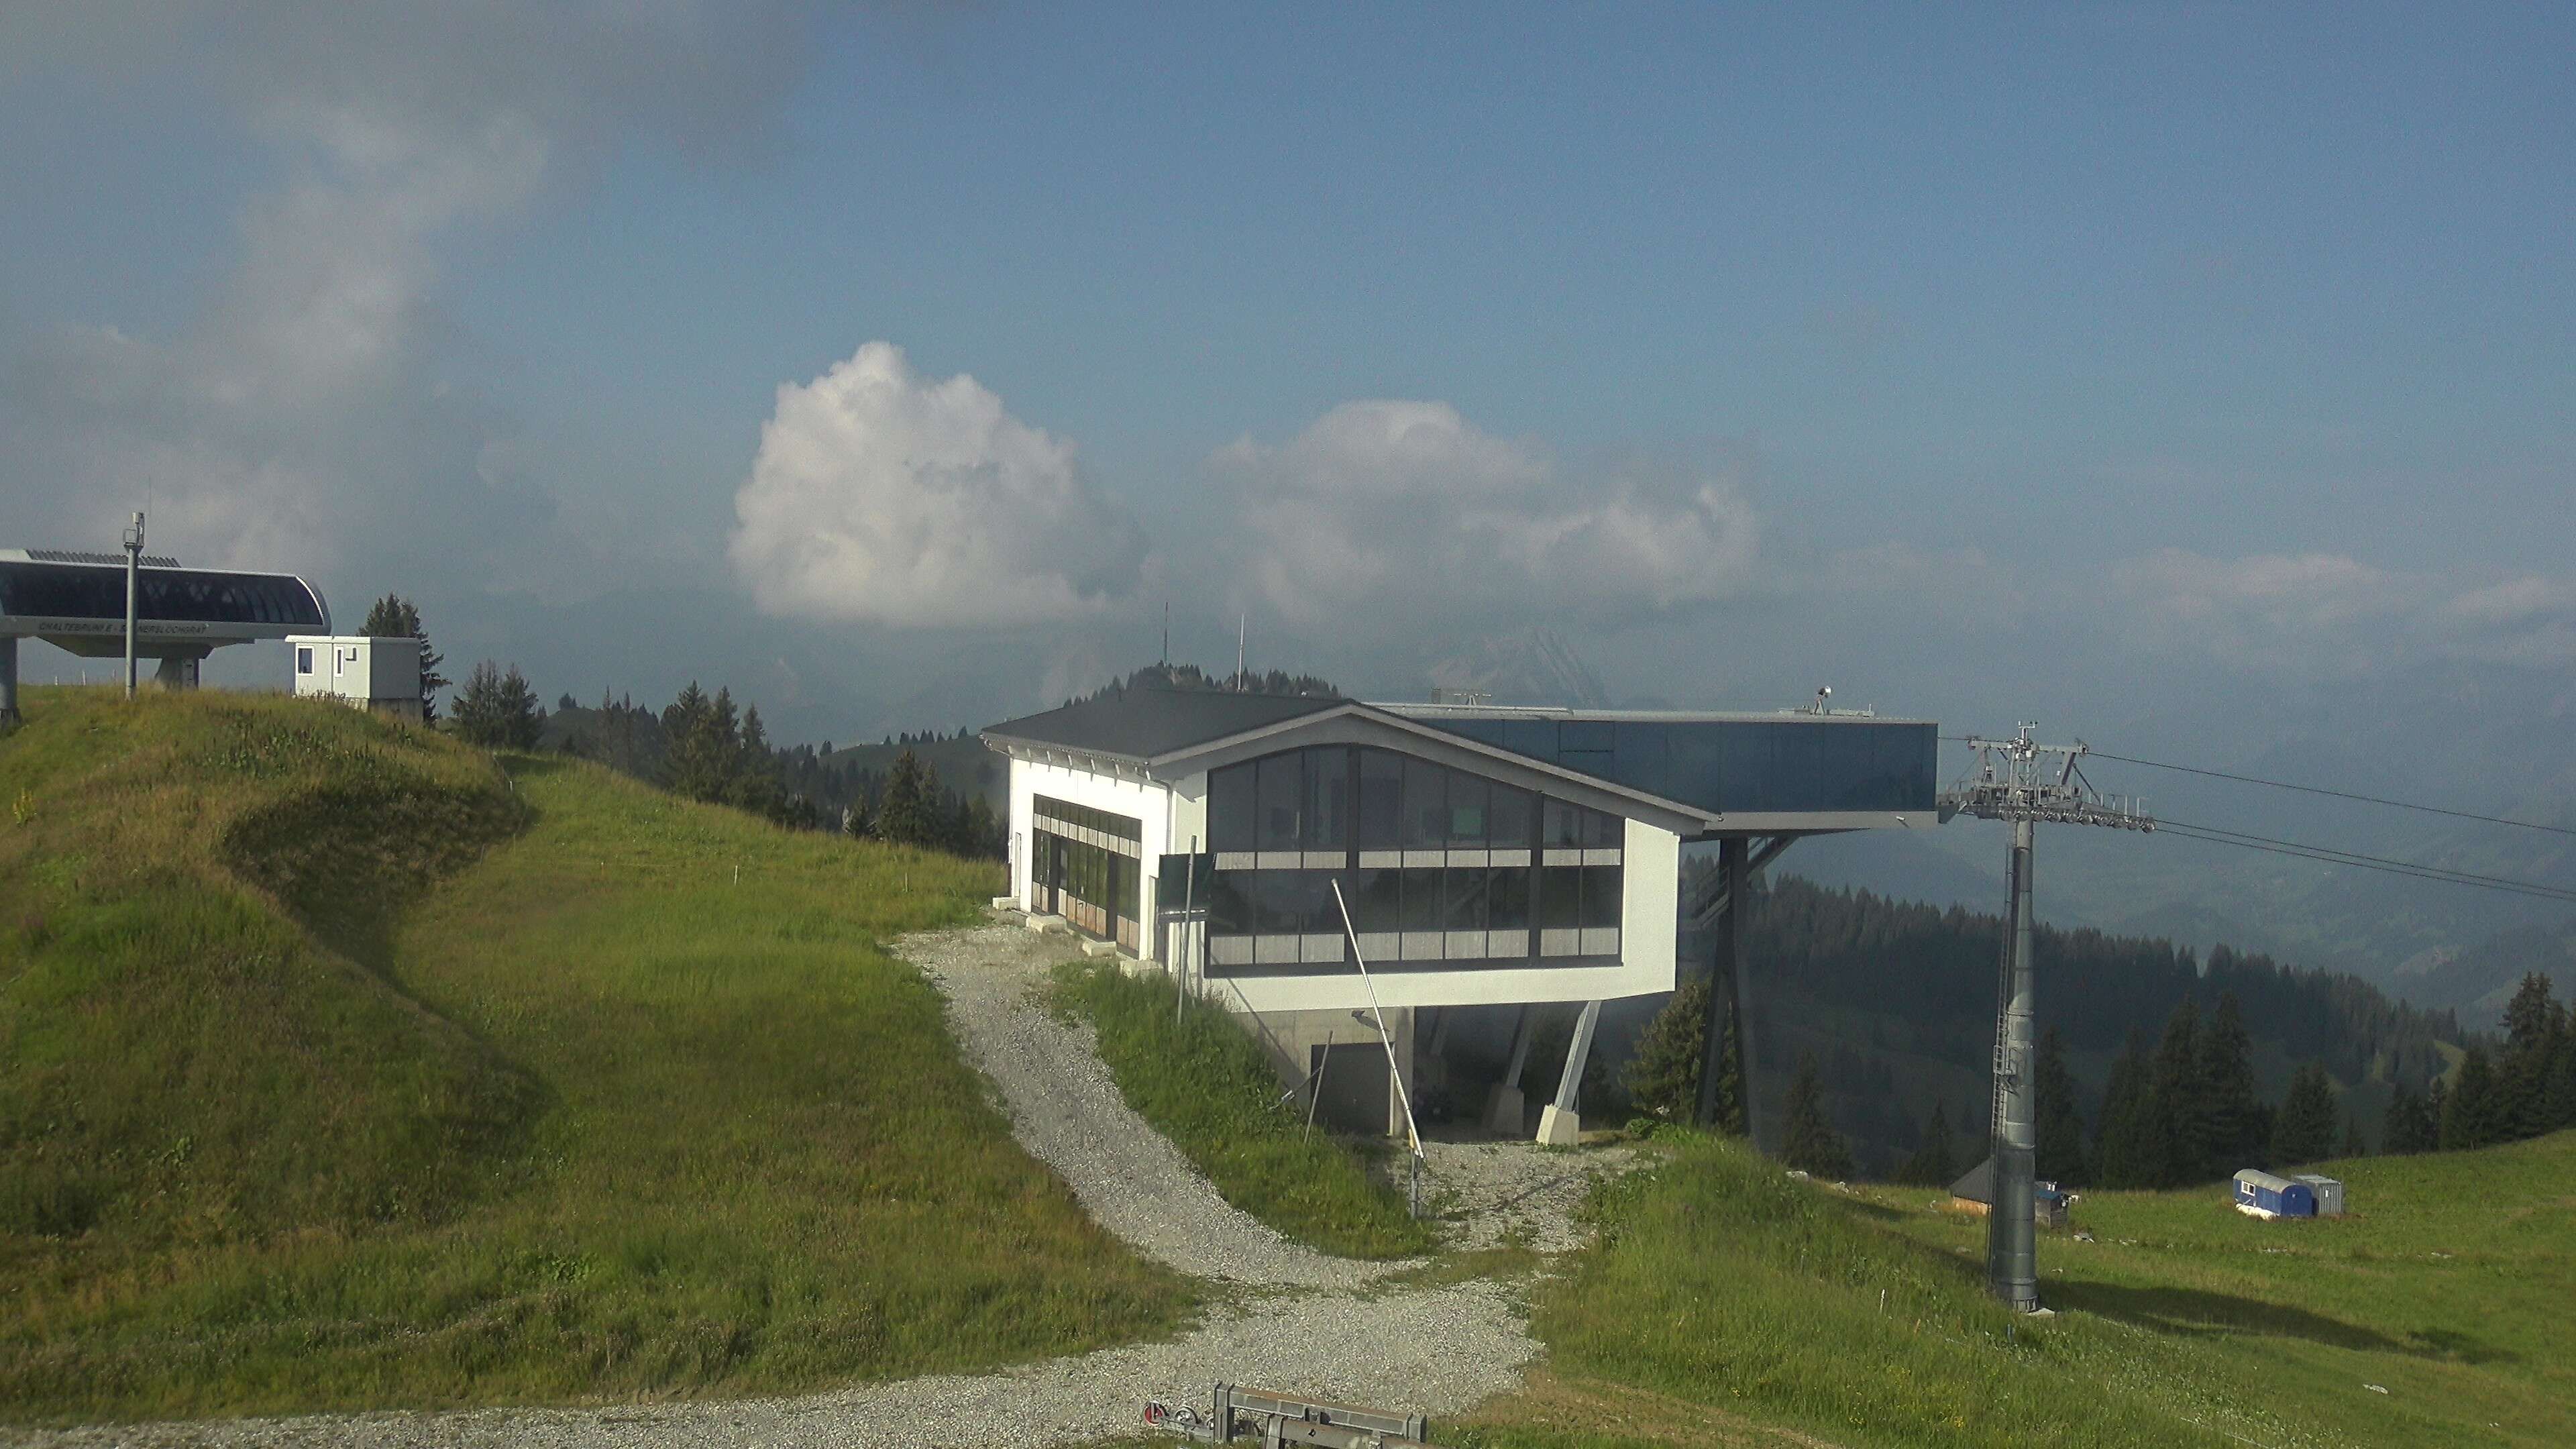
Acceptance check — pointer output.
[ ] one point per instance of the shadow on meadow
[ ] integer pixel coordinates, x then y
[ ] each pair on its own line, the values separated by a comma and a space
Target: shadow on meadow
2197, 1312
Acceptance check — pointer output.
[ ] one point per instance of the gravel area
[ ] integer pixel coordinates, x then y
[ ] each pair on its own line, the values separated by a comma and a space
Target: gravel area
1066, 1111
1305, 1322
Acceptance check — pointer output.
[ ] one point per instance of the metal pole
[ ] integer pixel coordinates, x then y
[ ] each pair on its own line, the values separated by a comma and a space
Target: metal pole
1181, 966
1316, 1096
133, 569
1394, 1070
2011, 1259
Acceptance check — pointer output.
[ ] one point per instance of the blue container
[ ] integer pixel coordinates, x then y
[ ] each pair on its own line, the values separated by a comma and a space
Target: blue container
2265, 1195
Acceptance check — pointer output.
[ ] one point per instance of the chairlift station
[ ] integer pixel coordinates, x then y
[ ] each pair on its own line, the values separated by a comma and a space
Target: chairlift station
1491, 856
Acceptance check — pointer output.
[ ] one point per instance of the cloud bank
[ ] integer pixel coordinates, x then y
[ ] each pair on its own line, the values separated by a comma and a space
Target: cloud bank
317, 411
2318, 614
881, 496
1389, 510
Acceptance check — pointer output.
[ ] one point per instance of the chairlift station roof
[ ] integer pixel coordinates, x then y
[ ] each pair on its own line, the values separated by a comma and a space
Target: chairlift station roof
76, 600
1721, 772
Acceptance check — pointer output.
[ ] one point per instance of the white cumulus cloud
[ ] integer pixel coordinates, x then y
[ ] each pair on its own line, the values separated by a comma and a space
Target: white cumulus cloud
1406, 511
882, 496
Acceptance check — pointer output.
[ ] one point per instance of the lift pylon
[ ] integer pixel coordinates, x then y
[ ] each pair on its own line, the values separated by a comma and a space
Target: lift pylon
2009, 784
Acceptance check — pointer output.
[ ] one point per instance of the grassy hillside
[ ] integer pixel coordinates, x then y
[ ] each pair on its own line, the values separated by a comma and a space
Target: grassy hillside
627, 1102
1203, 1083
1728, 1304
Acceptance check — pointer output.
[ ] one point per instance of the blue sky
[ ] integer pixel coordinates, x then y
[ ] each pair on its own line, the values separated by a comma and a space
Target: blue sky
2195, 341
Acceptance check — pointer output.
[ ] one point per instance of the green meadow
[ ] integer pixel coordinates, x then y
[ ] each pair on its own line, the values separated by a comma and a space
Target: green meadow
1727, 1303
1202, 1081
343, 1066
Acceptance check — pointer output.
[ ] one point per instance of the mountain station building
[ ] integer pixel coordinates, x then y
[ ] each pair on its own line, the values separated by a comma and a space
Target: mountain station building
75, 600
1489, 856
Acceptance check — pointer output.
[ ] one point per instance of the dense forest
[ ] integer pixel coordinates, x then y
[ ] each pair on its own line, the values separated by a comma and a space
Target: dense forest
1894, 1004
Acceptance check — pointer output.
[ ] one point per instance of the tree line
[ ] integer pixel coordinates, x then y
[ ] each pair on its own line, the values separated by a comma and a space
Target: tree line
1901, 990
705, 748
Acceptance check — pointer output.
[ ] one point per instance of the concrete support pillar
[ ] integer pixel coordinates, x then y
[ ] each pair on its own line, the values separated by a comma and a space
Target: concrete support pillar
1726, 988
8, 678
1504, 1105
177, 672
1561, 1125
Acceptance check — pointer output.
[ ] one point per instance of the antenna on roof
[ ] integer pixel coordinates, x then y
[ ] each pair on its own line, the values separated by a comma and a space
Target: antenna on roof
1242, 624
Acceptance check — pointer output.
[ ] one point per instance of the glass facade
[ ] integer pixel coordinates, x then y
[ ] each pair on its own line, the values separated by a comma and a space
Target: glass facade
91, 591
1087, 867
1437, 865
1788, 764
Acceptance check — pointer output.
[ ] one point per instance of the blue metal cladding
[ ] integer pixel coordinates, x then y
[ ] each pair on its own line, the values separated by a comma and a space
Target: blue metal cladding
1788, 764
2266, 1193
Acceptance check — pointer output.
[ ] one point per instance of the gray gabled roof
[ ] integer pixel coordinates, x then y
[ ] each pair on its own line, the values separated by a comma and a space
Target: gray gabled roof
1143, 724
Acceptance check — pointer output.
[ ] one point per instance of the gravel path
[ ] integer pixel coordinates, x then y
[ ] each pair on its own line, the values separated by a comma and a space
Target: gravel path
1305, 1322
1066, 1111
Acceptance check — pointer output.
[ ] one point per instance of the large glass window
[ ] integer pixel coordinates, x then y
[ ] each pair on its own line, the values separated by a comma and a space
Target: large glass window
1381, 802
1422, 906
1600, 896
1231, 803
1468, 797
1508, 899
1508, 818
1465, 888
1328, 799
1426, 805
1560, 897
1282, 793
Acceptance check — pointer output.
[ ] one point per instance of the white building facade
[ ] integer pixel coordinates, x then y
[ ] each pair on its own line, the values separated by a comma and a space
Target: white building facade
369, 673
1265, 847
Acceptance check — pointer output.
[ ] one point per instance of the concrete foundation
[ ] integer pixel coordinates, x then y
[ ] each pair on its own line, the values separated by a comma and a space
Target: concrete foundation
1558, 1127
1506, 1110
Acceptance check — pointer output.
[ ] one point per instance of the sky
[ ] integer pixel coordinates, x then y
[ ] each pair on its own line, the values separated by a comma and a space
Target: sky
898, 365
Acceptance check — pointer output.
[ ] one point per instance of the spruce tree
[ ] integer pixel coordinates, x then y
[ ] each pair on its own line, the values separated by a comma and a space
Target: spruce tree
2305, 1129
2231, 1115
2124, 1155
1662, 1078
498, 710
2176, 1130
2354, 1144
2059, 1157
2478, 1113
395, 617
2534, 1028
1935, 1163
2408, 1126
1808, 1141
908, 815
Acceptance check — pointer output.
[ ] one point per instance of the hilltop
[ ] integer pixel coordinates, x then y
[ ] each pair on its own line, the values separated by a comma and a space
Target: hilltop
344, 1066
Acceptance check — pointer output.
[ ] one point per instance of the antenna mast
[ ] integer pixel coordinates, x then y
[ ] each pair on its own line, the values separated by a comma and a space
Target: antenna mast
2008, 783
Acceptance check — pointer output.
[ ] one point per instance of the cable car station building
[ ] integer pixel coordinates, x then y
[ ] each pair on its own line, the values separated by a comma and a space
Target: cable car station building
76, 601
1489, 856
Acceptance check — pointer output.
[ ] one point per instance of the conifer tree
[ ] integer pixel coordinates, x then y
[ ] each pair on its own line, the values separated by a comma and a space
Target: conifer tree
2059, 1156
498, 710
2534, 1029
2125, 1156
908, 815
2354, 1144
2305, 1129
2176, 1131
2408, 1126
395, 617
1808, 1141
1662, 1078
2230, 1114
2437, 1108
2477, 1114
1935, 1163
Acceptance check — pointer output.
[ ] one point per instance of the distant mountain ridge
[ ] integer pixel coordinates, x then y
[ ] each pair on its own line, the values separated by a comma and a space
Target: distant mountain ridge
1527, 666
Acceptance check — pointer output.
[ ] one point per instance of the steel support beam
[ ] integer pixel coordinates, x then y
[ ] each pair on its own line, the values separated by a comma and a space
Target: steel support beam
1726, 983
8, 678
